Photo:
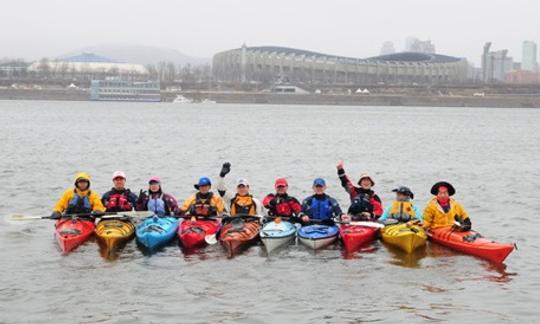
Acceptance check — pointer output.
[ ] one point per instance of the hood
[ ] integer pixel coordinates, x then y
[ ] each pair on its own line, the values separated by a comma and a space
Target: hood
82, 176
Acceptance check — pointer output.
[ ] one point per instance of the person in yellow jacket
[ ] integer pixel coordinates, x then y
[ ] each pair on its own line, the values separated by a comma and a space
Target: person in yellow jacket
204, 203
443, 210
79, 200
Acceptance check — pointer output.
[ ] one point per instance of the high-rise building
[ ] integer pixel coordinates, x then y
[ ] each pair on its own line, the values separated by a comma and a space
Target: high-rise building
388, 48
495, 64
528, 61
413, 44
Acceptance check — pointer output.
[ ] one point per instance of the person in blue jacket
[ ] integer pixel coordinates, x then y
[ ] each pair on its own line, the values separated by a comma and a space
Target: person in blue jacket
402, 209
320, 207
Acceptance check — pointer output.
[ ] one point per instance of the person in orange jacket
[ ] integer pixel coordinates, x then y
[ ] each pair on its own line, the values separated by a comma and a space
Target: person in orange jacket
79, 200
443, 210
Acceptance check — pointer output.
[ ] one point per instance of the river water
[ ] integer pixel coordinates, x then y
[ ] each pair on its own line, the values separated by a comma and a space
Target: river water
490, 155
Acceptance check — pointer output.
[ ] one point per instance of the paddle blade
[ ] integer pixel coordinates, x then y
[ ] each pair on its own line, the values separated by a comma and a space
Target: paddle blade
210, 239
19, 217
368, 224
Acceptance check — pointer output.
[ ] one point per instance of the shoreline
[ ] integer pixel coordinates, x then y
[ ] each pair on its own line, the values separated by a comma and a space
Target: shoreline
490, 101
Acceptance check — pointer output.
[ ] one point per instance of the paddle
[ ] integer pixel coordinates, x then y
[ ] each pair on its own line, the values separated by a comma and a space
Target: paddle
134, 214
363, 223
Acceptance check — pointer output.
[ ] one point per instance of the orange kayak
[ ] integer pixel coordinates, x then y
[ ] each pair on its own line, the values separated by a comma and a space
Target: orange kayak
472, 243
239, 234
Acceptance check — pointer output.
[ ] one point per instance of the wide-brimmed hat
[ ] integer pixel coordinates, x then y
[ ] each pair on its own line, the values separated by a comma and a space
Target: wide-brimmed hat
435, 188
366, 176
404, 190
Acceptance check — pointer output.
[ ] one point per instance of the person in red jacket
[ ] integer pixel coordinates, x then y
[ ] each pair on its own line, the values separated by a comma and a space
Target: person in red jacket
281, 204
358, 207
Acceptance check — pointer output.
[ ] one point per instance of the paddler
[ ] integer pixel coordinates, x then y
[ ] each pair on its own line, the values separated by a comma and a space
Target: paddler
443, 210
241, 202
402, 208
119, 198
361, 197
281, 204
320, 208
162, 204
79, 200
204, 203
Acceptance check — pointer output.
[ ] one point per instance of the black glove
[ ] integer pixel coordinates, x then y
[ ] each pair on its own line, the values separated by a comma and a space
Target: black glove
272, 204
56, 215
225, 169
142, 197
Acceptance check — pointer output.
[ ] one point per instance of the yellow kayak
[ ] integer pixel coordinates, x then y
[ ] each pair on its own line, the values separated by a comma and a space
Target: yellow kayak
407, 238
112, 233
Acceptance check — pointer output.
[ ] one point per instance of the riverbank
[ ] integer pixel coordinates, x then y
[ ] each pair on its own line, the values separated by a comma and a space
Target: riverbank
496, 101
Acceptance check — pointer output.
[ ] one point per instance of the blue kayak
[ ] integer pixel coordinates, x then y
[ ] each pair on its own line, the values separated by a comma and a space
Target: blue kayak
156, 231
317, 236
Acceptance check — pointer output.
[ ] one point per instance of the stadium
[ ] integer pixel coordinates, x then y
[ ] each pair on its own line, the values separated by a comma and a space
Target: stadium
271, 64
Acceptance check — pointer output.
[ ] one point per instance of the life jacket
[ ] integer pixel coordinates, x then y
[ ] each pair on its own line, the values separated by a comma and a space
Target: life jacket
118, 201
320, 208
403, 211
283, 208
361, 203
79, 204
243, 205
157, 205
203, 206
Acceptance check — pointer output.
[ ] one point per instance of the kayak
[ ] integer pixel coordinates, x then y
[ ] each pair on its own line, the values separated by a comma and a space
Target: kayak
471, 242
407, 238
277, 234
355, 236
239, 234
72, 232
113, 233
317, 236
156, 231
193, 232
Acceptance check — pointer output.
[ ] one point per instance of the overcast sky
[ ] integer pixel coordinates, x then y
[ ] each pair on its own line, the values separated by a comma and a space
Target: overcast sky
200, 28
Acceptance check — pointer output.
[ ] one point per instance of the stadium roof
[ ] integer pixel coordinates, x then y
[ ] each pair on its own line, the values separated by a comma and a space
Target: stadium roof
88, 58
405, 57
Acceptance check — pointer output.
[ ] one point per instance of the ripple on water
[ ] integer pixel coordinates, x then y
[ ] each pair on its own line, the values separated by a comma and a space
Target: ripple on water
376, 284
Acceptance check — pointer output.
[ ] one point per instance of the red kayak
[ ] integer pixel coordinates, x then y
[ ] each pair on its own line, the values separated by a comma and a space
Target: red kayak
193, 232
472, 243
72, 232
238, 235
355, 236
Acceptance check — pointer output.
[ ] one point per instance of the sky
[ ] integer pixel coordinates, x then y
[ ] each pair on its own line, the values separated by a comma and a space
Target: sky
50, 28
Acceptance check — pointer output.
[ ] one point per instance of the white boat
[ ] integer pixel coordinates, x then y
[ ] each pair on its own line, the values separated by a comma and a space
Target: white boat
275, 235
182, 100
208, 101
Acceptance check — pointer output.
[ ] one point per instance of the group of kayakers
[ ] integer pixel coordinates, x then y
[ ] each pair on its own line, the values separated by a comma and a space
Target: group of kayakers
318, 208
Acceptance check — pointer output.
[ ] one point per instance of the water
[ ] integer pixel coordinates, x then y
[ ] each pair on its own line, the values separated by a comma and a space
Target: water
490, 155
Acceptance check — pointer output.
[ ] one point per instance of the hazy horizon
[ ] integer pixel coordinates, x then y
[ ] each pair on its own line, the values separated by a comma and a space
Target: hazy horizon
35, 29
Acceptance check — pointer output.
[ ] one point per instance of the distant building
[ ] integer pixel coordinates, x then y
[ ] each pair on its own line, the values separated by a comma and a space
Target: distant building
413, 44
274, 65
87, 66
388, 48
13, 68
528, 61
495, 64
